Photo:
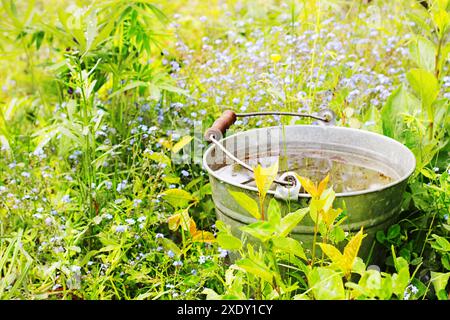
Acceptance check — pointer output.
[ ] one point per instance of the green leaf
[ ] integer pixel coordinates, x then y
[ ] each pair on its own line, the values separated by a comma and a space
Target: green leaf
171, 179
445, 260
91, 30
337, 235
132, 85
359, 266
170, 245
441, 19
425, 85
229, 242
440, 281
393, 231
401, 279
159, 157
289, 245
223, 227
441, 244
423, 53
180, 144
258, 270
291, 220
178, 198
399, 102
211, 294
247, 203
326, 284
274, 213
261, 230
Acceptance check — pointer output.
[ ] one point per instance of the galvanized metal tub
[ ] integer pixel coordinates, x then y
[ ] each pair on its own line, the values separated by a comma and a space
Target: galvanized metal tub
374, 209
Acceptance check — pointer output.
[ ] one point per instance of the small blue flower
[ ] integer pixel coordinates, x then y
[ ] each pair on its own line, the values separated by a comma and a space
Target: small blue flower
26, 174
177, 263
185, 173
170, 254
121, 229
222, 252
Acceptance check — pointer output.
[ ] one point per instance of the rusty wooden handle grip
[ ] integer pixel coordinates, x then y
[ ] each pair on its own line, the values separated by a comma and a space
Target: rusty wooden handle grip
220, 126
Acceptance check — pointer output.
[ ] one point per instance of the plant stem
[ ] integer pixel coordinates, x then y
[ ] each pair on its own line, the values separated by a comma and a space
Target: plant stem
314, 244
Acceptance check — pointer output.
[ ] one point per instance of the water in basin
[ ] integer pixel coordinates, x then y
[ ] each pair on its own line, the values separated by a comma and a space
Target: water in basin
348, 172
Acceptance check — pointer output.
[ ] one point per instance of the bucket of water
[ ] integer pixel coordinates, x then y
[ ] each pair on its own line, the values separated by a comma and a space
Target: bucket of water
368, 172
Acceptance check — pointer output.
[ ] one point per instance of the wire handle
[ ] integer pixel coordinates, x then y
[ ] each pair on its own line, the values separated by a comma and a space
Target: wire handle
228, 118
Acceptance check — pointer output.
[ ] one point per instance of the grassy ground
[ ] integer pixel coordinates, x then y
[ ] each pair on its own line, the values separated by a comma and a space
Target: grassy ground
98, 100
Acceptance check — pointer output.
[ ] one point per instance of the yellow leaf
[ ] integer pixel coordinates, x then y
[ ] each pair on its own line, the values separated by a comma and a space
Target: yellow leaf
185, 220
332, 253
180, 144
203, 236
309, 186
351, 250
166, 144
247, 203
315, 210
180, 218
174, 221
331, 215
264, 177
192, 226
323, 184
